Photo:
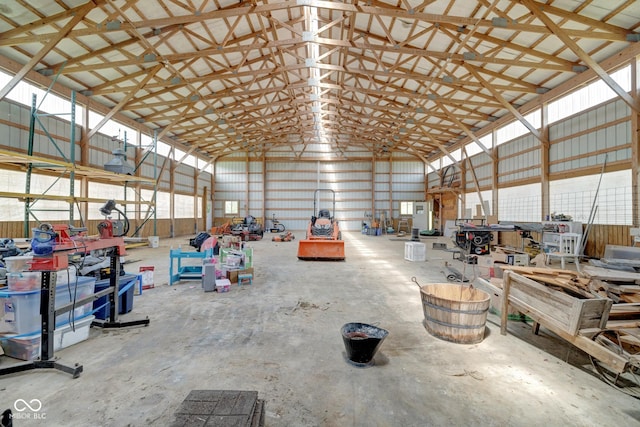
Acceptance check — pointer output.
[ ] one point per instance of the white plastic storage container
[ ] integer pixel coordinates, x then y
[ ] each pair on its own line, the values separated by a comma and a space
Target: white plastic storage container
71, 334
32, 280
15, 264
27, 347
22, 309
23, 347
67, 275
67, 292
415, 251
24, 281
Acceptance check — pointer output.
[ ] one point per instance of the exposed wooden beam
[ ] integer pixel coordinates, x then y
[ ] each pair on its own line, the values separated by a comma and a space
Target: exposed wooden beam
151, 73
634, 103
35, 59
510, 107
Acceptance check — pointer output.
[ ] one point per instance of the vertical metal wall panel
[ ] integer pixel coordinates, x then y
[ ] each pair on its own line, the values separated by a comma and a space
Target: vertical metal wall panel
289, 189
5, 110
204, 180
148, 170
183, 179
483, 167
433, 180
15, 112
6, 131
383, 188
519, 159
577, 142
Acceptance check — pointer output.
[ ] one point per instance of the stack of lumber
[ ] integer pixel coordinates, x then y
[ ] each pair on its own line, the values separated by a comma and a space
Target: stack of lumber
619, 293
623, 287
571, 282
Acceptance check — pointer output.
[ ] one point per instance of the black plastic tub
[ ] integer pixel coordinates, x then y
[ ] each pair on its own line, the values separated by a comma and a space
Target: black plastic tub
361, 342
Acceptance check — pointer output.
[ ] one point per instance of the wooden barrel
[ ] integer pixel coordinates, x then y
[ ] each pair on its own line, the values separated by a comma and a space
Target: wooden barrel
455, 312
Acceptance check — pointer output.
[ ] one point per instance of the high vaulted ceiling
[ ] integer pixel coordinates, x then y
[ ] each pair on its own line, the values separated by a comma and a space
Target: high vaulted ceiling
304, 78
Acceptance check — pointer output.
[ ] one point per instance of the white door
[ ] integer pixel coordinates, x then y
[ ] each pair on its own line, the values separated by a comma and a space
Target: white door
421, 215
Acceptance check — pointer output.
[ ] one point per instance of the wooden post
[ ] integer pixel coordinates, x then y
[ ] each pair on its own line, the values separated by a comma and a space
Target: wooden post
504, 315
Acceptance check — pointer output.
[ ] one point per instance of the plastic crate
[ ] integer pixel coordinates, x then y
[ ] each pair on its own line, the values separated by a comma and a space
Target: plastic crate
22, 308
24, 281
21, 311
27, 347
126, 286
415, 251
78, 288
71, 334
246, 254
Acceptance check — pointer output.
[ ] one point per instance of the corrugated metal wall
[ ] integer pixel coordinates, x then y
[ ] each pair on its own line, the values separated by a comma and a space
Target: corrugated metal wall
183, 177
519, 160
382, 188
256, 193
290, 187
289, 190
583, 139
14, 128
483, 167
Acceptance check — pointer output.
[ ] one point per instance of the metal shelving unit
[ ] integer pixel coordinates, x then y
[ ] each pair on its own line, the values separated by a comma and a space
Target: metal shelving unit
66, 167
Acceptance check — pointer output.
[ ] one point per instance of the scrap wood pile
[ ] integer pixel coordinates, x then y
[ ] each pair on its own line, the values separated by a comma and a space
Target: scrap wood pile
622, 288
567, 281
617, 292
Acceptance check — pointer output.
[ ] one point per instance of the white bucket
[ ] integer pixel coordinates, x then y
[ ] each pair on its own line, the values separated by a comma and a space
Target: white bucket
154, 241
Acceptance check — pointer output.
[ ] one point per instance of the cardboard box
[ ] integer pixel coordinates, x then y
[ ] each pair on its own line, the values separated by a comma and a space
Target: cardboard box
485, 261
498, 256
223, 285
232, 274
518, 259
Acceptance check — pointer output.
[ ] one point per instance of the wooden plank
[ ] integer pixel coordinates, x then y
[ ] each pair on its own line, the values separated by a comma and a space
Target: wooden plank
609, 274
566, 285
632, 298
551, 309
593, 314
623, 324
615, 362
504, 315
545, 313
630, 339
541, 270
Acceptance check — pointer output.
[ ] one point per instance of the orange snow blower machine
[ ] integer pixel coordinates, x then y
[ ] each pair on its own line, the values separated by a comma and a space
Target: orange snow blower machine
324, 240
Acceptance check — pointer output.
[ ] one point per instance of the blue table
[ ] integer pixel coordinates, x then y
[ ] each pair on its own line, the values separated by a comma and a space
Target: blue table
186, 272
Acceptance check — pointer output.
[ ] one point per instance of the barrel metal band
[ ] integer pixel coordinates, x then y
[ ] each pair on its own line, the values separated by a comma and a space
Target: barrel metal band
455, 311
452, 325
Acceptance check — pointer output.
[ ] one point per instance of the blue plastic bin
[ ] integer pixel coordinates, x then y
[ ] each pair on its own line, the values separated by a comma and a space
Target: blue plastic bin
125, 291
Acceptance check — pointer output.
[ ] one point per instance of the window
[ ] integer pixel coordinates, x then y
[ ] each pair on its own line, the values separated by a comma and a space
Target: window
183, 206
516, 128
406, 208
113, 129
586, 97
231, 207
45, 102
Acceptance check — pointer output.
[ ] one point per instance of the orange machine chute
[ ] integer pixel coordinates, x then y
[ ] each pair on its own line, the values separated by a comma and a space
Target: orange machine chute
324, 239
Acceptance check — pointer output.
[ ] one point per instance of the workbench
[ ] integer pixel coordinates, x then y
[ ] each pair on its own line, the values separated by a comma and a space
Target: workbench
178, 272
48, 265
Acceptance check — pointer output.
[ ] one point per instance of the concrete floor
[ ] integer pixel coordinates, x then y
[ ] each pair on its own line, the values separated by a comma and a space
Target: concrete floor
281, 337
